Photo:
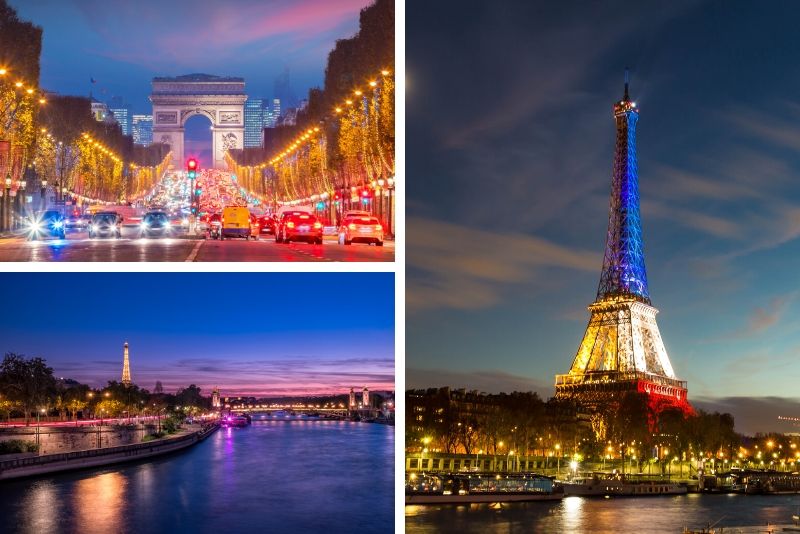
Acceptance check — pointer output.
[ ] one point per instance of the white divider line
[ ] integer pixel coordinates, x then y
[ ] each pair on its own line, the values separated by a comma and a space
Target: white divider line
195, 250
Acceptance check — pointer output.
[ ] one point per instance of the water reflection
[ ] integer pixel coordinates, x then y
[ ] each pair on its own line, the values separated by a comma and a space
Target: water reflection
99, 503
41, 508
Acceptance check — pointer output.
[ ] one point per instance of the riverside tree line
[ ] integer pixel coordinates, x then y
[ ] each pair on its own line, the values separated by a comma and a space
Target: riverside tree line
523, 424
28, 388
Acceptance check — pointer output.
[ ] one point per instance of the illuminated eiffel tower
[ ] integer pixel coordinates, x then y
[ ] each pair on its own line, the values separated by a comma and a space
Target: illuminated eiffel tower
622, 348
126, 366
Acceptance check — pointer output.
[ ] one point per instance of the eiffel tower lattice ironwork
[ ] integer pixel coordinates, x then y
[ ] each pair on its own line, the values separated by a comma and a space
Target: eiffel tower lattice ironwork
126, 366
622, 349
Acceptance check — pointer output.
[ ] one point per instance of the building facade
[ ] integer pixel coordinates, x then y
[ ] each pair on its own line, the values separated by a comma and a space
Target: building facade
253, 122
122, 116
142, 128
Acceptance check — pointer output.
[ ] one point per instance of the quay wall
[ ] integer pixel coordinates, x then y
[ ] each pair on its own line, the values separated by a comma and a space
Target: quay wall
68, 439
51, 463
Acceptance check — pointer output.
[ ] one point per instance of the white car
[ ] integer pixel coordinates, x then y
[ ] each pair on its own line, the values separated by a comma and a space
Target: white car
362, 229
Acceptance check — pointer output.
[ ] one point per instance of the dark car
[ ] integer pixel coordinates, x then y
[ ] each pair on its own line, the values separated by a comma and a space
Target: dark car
156, 223
300, 226
47, 223
280, 221
105, 224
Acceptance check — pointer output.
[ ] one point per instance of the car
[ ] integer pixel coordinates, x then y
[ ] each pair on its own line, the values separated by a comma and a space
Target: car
300, 227
75, 221
47, 223
214, 225
236, 223
355, 213
156, 223
267, 224
281, 221
361, 230
106, 224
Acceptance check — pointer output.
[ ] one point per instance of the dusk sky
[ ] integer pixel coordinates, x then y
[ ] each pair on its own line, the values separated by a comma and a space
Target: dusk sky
123, 45
510, 146
248, 333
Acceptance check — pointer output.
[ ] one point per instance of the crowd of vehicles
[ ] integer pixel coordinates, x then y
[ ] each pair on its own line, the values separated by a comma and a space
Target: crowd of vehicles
287, 226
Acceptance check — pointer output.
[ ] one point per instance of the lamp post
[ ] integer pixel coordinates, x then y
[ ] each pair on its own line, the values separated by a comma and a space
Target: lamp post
558, 459
390, 188
7, 204
38, 413
44, 193
14, 210
425, 442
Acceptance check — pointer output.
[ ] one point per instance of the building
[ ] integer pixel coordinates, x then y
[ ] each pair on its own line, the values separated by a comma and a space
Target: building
253, 122
622, 350
122, 116
126, 366
142, 129
352, 399
276, 112
100, 111
365, 397
215, 402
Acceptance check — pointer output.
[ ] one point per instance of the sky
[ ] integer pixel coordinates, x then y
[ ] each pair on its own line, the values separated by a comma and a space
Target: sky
259, 334
510, 140
123, 45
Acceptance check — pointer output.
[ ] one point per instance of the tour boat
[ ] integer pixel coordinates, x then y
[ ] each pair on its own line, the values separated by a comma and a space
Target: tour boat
619, 486
479, 488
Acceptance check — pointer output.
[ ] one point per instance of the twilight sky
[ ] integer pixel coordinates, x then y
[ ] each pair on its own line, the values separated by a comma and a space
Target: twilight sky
123, 45
248, 333
510, 145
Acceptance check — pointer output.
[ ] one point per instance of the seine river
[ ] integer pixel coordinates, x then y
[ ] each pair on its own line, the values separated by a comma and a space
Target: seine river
274, 476
647, 515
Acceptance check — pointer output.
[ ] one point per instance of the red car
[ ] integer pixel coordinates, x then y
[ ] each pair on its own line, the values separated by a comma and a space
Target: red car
299, 226
267, 224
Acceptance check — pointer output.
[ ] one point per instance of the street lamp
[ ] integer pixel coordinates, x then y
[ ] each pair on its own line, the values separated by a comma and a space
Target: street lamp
44, 192
38, 413
7, 204
558, 459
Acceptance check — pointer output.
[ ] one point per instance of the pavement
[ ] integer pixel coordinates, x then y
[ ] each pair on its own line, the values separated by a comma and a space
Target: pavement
129, 248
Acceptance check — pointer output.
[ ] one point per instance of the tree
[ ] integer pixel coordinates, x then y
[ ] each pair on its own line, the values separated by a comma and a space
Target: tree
28, 382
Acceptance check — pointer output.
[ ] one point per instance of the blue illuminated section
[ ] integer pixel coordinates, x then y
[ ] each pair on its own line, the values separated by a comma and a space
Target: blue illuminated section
624, 272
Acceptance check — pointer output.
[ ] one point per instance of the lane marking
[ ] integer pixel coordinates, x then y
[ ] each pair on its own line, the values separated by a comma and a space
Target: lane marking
195, 251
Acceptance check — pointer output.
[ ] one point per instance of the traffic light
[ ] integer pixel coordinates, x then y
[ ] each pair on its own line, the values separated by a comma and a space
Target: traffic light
191, 168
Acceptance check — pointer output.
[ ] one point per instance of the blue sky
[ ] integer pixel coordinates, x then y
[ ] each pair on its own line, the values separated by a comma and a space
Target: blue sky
249, 333
123, 45
510, 146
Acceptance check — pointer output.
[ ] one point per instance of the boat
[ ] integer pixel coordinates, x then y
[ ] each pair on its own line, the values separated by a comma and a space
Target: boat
601, 485
456, 488
234, 421
751, 481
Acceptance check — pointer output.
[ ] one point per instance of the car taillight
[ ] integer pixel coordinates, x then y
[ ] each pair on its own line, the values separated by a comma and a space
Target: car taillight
290, 224
378, 227
351, 226
317, 225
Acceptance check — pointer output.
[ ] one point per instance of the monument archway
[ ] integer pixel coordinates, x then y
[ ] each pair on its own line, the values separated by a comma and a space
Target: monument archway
220, 99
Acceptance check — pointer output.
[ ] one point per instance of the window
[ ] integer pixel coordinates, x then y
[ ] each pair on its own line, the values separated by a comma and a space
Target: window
413, 464
456, 465
425, 463
436, 463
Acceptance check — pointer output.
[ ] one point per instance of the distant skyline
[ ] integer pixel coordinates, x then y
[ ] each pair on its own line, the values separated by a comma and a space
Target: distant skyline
123, 45
510, 147
254, 334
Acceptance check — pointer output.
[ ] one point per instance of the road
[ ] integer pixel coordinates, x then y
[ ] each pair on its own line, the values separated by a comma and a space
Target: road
78, 247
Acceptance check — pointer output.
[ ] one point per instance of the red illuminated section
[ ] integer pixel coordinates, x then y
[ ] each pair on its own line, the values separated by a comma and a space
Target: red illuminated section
191, 164
662, 397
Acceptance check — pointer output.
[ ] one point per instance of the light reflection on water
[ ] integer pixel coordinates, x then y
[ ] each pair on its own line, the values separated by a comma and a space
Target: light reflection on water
667, 514
275, 476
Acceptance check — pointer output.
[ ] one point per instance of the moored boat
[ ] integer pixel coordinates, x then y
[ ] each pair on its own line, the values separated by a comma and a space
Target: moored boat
617, 485
456, 488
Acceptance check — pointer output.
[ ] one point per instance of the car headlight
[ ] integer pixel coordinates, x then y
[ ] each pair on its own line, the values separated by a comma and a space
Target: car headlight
185, 221
168, 225
35, 225
144, 225
94, 227
58, 224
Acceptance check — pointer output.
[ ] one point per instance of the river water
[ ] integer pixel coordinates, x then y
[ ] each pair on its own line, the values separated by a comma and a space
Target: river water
273, 476
643, 515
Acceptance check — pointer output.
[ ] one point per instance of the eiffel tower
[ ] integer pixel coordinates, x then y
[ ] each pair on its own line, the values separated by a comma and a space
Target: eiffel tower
622, 349
126, 366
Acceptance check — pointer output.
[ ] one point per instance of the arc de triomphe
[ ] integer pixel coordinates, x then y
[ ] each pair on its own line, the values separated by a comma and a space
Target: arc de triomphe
221, 99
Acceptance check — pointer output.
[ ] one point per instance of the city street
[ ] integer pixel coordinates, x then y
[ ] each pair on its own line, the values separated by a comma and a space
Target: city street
78, 247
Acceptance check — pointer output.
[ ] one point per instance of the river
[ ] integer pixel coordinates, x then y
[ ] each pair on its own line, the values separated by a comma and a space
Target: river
621, 515
273, 476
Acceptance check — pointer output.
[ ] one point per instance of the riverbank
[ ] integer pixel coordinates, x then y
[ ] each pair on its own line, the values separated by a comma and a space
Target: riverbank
53, 463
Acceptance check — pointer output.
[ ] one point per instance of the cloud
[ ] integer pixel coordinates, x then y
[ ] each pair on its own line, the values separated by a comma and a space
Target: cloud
763, 318
754, 414
489, 380
463, 268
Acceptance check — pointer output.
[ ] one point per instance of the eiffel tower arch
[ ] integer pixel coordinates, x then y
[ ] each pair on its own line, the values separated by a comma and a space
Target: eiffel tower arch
622, 350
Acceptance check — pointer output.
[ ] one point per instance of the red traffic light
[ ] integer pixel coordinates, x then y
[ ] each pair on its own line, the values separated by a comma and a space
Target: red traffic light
191, 164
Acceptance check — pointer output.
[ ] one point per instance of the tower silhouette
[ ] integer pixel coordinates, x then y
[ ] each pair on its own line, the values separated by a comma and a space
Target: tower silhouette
126, 366
622, 349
